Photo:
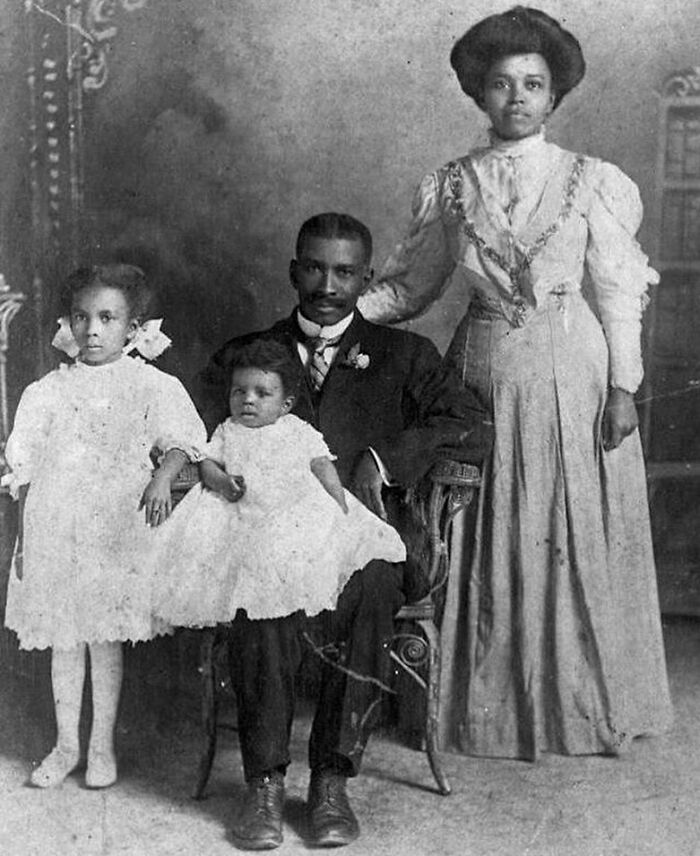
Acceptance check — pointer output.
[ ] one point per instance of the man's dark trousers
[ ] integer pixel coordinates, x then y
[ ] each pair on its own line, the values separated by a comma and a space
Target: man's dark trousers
265, 655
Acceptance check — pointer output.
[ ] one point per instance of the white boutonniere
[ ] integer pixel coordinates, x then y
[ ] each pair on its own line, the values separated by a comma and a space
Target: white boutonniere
355, 359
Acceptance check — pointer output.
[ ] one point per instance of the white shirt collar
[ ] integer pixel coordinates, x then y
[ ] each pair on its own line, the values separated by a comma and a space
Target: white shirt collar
517, 148
313, 330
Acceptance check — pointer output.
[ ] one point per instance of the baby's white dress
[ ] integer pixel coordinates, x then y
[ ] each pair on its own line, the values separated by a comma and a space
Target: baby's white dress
285, 546
82, 439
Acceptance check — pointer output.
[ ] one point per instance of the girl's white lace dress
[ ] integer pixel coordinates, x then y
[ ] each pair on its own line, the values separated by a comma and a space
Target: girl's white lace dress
285, 546
82, 440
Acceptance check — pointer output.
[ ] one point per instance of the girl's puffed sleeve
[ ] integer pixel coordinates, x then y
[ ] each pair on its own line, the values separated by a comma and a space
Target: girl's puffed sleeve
26, 444
416, 273
176, 423
619, 270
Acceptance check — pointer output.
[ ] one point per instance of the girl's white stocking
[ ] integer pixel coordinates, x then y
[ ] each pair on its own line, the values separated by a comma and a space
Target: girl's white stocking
106, 670
67, 679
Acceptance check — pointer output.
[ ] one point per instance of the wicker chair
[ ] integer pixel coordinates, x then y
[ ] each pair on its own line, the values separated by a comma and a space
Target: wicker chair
449, 487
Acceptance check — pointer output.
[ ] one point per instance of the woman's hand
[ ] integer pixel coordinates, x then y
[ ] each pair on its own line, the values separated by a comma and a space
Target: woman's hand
157, 500
619, 419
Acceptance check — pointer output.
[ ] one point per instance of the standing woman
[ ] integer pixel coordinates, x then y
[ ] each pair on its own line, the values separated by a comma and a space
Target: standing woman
558, 645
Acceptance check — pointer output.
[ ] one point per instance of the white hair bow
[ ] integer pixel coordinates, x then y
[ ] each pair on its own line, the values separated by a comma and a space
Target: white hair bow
148, 340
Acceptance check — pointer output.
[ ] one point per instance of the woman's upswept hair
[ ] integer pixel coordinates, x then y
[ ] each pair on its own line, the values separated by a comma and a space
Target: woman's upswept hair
128, 279
270, 356
520, 30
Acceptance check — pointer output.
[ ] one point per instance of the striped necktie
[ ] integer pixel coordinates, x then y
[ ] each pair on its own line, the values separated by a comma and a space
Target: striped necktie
318, 365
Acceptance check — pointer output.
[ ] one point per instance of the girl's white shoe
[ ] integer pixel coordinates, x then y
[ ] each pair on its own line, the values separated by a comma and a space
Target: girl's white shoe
58, 764
101, 769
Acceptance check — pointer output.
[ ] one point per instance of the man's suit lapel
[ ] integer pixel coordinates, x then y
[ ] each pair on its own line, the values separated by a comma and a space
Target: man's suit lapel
335, 384
351, 337
346, 386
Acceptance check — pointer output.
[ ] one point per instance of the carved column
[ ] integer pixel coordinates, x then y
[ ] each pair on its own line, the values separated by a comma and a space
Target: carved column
68, 45
10, 304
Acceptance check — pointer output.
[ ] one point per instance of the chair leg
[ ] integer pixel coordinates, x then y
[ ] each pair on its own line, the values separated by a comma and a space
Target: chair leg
210, 710
433, 704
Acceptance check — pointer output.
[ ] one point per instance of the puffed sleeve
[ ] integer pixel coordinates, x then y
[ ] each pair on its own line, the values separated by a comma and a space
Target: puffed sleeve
175, 421
619, 271
214, 449
25, 445
311, 440
416, 273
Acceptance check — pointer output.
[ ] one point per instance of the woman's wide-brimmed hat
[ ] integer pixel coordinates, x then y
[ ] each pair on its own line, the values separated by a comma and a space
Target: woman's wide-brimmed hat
520, 30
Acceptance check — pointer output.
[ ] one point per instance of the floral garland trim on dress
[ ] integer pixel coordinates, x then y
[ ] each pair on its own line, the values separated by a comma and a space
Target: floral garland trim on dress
516, 272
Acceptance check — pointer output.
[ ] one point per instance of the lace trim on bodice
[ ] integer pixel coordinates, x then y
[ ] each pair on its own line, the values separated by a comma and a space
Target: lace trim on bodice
516, 270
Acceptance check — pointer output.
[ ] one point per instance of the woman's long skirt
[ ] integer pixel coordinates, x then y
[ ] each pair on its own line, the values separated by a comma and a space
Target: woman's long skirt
552, 630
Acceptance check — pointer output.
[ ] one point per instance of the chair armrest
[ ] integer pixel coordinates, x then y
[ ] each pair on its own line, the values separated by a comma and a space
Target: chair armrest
458, 480
453, 487
186, 479
448, 488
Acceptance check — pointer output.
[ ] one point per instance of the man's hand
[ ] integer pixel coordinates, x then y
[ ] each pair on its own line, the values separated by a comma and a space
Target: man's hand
619, 419
366, 484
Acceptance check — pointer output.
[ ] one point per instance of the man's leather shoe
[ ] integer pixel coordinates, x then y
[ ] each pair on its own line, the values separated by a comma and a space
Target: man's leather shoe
259, 825
332, 821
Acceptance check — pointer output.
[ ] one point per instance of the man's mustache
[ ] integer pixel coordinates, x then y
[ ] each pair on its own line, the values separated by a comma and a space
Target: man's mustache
324, 298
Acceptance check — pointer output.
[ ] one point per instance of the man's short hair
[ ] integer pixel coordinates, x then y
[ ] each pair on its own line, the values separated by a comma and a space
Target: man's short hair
333, 225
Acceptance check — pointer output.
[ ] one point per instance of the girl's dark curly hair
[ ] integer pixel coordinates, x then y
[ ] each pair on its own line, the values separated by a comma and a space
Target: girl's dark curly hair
128, 279
270, 356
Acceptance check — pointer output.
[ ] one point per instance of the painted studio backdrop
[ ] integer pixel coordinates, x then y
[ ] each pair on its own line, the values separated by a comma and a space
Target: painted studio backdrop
194, 136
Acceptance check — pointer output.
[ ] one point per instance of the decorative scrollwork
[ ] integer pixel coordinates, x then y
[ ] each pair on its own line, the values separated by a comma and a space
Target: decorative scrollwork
10, 304
412, 650
100, 29
682, 84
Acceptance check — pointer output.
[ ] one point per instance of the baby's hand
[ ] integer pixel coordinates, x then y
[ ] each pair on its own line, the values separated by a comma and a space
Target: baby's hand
233, 488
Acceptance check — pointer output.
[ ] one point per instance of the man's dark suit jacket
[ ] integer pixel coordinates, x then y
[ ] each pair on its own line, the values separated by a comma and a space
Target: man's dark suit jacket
404, 404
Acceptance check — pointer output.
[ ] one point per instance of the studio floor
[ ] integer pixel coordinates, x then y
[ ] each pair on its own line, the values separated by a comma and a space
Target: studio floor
644, 804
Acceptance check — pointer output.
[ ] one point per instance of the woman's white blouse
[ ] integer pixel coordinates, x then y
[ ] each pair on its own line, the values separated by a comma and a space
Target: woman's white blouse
529, 198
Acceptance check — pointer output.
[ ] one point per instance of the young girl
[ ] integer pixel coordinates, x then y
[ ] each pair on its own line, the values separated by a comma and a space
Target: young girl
283, 537
80, 465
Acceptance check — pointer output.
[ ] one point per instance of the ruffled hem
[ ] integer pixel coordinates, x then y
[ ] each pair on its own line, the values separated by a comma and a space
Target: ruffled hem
33, 638
198, 616
27, 642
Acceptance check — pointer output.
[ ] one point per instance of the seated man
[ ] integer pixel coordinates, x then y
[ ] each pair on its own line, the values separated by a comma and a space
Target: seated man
388, 409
